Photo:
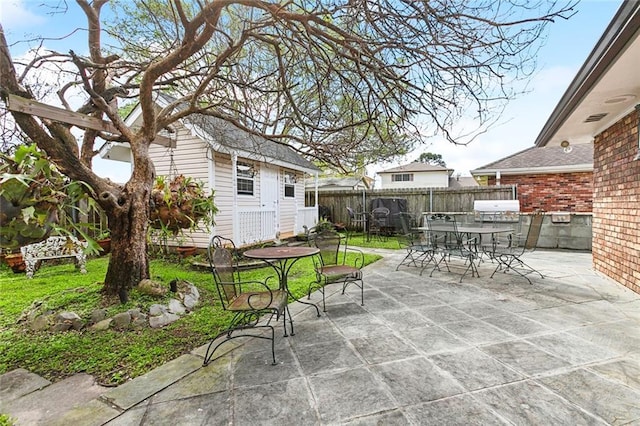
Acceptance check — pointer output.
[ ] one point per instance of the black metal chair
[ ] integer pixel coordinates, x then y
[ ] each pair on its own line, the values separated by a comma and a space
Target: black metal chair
419, 249
331, 265
447, 241
357, 221
249, 301
378, 223
509, 254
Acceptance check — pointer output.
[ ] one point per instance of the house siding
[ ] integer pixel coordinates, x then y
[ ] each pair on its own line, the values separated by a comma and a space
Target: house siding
552, 192
420, 180
224, 195
188, 158
616, 215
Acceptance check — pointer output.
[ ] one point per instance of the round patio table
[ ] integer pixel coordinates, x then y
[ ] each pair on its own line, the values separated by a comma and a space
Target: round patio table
281, 259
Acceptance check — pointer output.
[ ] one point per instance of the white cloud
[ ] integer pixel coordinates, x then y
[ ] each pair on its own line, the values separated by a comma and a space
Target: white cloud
15, 15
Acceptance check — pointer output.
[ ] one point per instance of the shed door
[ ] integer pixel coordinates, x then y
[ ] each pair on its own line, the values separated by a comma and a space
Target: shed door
269, 200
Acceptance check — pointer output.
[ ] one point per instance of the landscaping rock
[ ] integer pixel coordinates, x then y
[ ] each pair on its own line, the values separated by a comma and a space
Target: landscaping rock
59, 327
190, 301
139, 322
162, 320
102, 325
121, 320
41, 322
157, 309
66, 320
151, 288
97, 315
187, 297
176, 307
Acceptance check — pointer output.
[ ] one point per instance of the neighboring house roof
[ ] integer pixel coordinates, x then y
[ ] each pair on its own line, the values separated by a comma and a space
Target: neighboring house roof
417, 166
336, 183
606, 87
549, 159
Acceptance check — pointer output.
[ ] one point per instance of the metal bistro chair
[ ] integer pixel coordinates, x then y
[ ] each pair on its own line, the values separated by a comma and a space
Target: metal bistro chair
509, 255
417, 244
378, 223
331, 265
249, 301
357, 221
447, 241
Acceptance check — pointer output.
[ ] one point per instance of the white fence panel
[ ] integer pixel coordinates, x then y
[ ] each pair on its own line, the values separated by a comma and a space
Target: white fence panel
255, 226
306, 216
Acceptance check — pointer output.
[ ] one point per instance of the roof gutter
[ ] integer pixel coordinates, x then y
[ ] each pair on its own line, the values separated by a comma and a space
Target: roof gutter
620, 31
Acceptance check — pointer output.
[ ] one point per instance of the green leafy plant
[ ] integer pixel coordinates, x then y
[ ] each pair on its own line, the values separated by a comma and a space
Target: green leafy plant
180, 203
34, 198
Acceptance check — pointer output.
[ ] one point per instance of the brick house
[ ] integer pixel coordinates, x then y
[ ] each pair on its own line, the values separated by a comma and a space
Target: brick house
602, 105
547, 178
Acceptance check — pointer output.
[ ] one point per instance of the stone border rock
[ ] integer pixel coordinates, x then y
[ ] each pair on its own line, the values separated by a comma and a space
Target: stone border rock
186, 299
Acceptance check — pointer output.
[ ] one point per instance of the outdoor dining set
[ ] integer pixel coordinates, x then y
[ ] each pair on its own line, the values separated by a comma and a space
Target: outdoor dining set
439, 243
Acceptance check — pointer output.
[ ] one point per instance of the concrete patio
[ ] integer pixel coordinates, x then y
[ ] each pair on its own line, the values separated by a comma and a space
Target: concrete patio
562, 351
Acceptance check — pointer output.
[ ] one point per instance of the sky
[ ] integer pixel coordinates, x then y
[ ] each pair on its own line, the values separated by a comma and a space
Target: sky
568, 45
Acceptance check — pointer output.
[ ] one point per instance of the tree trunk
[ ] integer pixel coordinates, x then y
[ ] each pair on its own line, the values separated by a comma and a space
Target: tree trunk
129, 263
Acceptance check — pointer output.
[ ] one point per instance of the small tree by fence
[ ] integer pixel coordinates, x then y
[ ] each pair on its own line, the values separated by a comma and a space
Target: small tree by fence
334, 204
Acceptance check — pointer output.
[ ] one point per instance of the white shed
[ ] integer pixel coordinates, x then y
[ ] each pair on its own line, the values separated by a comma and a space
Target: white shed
259, 184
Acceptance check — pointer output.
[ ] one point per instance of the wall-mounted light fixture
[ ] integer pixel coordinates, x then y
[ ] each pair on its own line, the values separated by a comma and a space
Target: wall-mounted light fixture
290, 178
246, 169
566, 146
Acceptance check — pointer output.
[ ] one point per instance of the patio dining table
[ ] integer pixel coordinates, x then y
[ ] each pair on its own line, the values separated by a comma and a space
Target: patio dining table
281, 259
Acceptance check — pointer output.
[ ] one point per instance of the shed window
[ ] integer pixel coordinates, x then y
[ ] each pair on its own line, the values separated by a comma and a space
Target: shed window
402, 177
245, 175
289, 185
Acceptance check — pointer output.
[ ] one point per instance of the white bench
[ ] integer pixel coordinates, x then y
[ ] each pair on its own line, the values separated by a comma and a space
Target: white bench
57, 247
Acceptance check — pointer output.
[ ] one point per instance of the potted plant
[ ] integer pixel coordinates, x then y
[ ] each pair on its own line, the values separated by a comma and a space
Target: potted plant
15, 261
104, 241
178, 205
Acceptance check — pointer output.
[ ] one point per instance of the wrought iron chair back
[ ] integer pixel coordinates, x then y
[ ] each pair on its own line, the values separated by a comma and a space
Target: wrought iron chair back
331, 264
356, 221
329, 244
379, 221
223, 265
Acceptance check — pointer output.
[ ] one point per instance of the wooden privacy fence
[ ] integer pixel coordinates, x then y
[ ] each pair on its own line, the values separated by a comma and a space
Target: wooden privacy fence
333, 205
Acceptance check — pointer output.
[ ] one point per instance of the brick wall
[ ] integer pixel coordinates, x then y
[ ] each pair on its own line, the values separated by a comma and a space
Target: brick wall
616, 203
568, 192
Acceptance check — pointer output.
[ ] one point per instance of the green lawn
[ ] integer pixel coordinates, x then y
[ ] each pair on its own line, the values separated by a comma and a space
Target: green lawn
111, 356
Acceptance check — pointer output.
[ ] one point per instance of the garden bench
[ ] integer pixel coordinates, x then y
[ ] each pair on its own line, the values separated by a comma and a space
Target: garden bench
56, 247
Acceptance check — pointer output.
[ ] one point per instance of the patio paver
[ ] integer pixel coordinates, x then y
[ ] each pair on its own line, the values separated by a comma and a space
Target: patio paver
563, 350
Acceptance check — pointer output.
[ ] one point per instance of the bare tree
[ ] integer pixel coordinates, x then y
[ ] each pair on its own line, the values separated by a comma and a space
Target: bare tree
338, 80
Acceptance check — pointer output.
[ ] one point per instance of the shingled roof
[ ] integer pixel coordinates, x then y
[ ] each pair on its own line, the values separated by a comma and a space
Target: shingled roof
547, 159
223, 136
417, 166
